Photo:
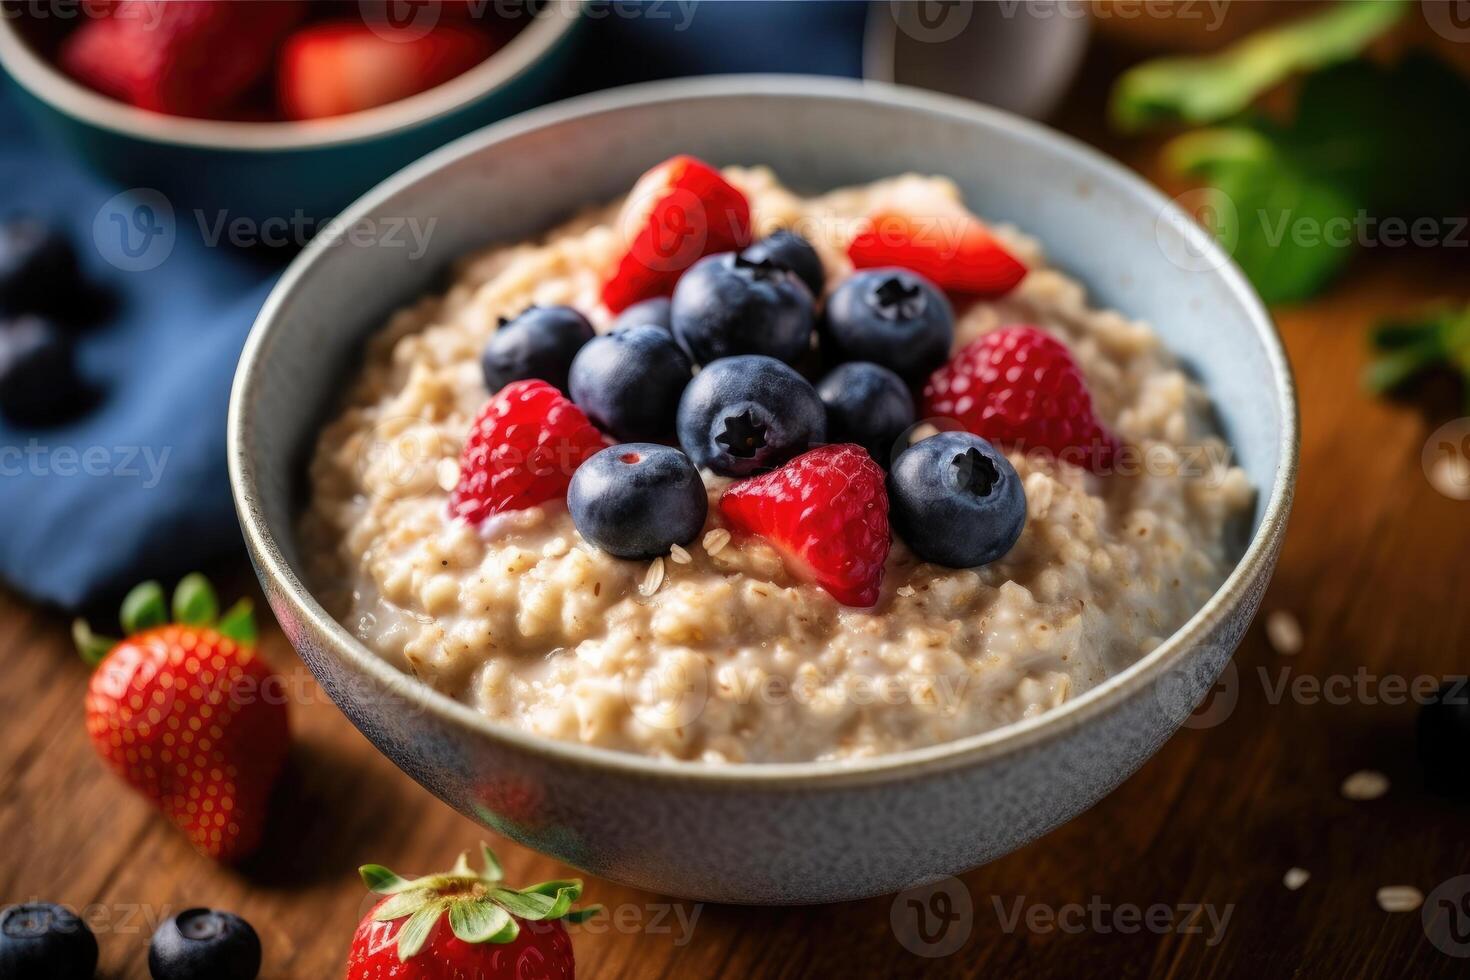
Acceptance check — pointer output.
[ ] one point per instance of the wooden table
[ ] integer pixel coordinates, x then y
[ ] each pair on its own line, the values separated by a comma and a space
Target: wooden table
1374, 568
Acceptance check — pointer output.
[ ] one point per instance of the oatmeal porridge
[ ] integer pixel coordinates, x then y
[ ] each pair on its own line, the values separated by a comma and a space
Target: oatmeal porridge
722, 650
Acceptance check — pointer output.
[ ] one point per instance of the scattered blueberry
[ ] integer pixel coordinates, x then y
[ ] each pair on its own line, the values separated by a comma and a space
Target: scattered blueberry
38, 267
203, 944
725, 305
787, 248
540, 343
742, 415
38, 378
649, 313
869, 405
955, 500
636, 499
41, 941
629, 382
893, 317
1444, 738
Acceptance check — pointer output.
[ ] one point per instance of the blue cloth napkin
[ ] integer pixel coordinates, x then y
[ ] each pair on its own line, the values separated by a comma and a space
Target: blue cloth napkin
138, 487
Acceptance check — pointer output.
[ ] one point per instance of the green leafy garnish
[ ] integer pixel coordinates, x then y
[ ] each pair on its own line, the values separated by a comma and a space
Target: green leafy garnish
194, 601
1407, 350
1370, 150
144, 608
481, 909
1208, 89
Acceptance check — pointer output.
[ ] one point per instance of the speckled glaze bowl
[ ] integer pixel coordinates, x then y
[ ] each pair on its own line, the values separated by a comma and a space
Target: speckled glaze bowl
788, 833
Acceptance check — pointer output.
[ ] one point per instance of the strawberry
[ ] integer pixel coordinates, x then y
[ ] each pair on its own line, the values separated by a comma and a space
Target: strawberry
494, 932
1020, 388
677, 213
187, 58
522, 450
187, 714
953, 250
338, 67
827, 512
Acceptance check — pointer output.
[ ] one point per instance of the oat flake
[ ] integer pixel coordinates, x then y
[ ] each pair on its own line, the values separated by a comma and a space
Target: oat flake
680, 556
1365, 785
653, 579
716, 540
1399, 898
1283, 632
1295, 878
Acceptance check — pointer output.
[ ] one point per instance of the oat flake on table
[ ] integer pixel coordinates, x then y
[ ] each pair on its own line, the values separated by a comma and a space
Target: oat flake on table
1399, 898
1366, 784
1295, 878
1284, 632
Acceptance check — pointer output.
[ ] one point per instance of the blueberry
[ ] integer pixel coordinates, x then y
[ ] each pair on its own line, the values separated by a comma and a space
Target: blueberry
629, 382
787, 248
38, 379
891, 316
203, 944
38, 267
649, 313
725, 305
41, 941
746, 414
540, 343
869, 405
955, 500
1444, 738
637, 499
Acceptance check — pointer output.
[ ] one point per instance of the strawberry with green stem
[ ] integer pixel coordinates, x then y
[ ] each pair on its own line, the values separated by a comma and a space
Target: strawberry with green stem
187, 713
494, 931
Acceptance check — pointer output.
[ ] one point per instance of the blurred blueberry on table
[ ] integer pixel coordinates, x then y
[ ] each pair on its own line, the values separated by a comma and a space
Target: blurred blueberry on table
956, 501
204, 944
637, 499
629, 382
788, 249
748, 414
869, 405
41, 941
39, 383
539, 343
38, 266
727, 305
893, 317
1444, 738
649, 313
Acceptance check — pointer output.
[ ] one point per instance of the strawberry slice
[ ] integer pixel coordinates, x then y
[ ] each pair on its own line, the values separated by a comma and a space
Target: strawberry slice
953, 250
827, 512
677, 213
188, 58
338, 67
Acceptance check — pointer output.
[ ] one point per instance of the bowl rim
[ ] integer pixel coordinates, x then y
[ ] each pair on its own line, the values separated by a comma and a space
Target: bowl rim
970, 750
51, 86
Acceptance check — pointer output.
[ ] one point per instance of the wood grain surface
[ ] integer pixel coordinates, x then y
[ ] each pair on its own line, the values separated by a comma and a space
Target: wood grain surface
1374, 568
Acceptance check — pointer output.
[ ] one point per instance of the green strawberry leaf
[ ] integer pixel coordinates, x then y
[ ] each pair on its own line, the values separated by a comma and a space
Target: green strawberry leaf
92, 647
1210, 88
493, 871
194, 601
143, 608
415, 932
481, 921
238, 623
577, 916
398, 905
382, 881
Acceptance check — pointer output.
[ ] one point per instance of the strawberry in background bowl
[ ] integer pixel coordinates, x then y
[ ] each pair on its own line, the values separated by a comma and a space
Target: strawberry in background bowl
278, 108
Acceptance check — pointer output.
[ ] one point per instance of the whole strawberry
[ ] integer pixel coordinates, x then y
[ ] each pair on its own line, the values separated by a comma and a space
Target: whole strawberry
188, 715
1020, 388
465, 926
827, 512
522, 450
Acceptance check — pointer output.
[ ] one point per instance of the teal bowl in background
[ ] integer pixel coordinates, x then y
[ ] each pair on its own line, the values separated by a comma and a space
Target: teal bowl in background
296, 171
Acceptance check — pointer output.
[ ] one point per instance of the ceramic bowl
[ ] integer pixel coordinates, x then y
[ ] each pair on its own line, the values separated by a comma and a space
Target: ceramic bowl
774, 833
262, 170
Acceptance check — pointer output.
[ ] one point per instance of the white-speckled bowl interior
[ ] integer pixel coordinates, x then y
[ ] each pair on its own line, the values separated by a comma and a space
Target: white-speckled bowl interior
764, 833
